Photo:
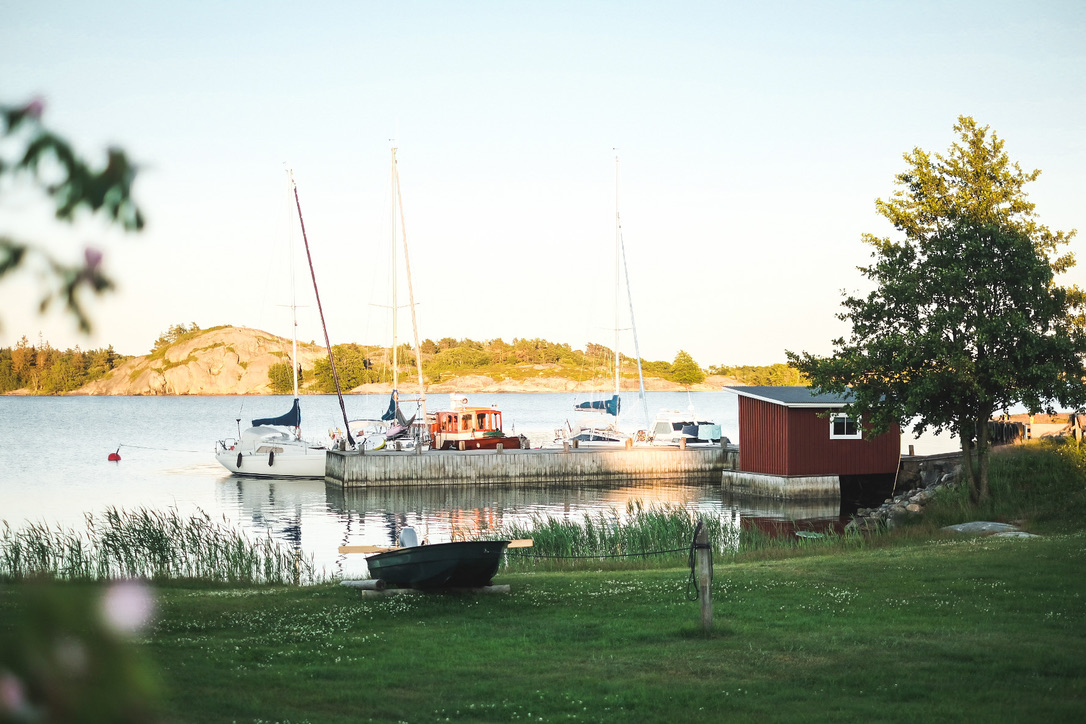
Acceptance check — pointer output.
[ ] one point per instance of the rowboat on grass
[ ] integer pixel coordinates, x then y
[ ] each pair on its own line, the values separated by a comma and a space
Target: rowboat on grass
460, 564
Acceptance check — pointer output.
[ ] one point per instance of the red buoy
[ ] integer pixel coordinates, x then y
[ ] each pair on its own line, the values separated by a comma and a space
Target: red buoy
115, 456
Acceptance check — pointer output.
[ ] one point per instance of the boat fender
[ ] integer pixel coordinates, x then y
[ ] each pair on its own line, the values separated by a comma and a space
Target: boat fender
239, 461
271, 458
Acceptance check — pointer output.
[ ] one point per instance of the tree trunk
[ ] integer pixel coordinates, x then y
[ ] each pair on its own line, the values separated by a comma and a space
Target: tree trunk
983, 449
966, 436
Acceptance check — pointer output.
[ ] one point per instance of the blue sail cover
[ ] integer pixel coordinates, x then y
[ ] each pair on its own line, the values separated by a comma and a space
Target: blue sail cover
393, 413
611, 407
291, 419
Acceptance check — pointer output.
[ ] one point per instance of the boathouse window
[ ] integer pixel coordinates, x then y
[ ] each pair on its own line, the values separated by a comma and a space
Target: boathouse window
843, 427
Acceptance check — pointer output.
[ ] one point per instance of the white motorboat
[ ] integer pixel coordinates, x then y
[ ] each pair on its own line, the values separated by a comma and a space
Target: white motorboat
673, 428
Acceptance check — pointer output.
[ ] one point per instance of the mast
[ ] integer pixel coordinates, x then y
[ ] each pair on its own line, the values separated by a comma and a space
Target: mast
395, 305
293, 304
618, 237
621, 249
410, 286
316, 293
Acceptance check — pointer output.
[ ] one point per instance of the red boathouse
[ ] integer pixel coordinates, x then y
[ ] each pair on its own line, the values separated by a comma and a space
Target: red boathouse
795, 443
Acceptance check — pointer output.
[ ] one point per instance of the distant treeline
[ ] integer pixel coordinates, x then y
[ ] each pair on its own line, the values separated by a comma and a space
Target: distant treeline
449, 358
776, 375
42, 370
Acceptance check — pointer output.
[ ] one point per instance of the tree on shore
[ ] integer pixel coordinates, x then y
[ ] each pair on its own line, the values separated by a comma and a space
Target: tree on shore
966, 317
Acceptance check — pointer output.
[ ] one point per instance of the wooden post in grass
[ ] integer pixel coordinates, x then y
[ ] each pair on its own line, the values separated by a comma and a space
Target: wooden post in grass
705, 576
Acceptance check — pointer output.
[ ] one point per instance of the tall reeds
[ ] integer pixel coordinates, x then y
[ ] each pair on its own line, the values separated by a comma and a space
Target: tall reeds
156, 545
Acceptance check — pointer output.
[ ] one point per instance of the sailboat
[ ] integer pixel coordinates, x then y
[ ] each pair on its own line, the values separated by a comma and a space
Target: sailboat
273, 447
399, 431
597, 424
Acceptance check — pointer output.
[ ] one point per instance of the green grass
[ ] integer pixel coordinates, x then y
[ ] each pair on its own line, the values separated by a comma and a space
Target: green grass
951, 630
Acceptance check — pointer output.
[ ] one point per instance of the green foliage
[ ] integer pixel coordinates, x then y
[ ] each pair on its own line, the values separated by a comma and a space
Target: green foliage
67, 654
965, 318
176, 333
352, 366
43, 370
281, 378
685, 370
50, 164
775, 375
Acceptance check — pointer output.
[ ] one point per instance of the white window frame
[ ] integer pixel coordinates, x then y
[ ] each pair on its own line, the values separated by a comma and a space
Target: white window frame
857, 435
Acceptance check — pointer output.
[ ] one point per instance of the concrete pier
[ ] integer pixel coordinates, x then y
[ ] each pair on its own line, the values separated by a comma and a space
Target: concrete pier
782, 487
436, 467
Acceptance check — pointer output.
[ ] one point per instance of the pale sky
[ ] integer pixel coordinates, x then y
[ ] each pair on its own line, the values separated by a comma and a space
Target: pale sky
753, 140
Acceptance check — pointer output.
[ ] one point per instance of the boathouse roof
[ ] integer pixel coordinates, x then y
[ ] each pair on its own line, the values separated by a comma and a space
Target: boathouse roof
793, 396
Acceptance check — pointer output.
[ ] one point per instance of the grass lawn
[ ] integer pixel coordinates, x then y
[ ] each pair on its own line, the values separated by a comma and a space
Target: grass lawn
974, 630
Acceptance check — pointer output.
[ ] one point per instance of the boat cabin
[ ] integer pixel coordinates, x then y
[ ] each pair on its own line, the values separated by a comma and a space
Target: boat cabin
469, 428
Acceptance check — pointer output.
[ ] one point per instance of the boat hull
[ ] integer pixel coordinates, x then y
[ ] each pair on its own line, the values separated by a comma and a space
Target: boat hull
463, 564
307, 464
477, 443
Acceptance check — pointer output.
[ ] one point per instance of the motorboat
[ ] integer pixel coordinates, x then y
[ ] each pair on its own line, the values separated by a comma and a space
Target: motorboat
674, 428
466, 427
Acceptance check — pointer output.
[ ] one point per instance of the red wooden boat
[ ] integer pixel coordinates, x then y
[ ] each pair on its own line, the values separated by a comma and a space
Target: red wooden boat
470, 428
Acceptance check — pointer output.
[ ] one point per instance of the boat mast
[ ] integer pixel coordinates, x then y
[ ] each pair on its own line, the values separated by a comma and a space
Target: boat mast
316, 293
395, 305
410, 286
618, 236
629, 300
293, 304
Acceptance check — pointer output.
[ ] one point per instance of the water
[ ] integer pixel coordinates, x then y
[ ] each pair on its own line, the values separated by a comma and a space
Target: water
54, 469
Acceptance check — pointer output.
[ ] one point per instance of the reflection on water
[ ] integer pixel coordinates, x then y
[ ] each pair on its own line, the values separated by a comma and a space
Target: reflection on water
316, 518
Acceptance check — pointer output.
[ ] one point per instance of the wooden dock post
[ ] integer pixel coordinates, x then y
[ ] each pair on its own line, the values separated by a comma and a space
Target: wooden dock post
704, 559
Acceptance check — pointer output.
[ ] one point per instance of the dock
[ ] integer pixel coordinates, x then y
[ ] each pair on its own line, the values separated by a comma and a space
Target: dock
350, 469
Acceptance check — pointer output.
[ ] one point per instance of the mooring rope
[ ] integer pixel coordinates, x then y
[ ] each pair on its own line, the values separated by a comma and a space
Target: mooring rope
692, 584
161, 449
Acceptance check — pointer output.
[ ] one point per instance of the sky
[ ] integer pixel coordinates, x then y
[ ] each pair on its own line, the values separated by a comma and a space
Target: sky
743, 146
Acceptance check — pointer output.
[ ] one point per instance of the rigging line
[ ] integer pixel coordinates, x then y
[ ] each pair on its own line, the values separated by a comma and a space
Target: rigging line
316, 293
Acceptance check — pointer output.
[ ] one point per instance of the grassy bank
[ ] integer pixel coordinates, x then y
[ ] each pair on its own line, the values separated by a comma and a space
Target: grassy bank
989, 629
911, 625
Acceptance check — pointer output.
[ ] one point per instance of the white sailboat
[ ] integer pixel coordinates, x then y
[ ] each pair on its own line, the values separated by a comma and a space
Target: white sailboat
399, 431
597, 423
273, 447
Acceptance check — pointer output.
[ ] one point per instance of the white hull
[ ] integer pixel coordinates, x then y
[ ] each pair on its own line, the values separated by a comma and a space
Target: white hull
291, 463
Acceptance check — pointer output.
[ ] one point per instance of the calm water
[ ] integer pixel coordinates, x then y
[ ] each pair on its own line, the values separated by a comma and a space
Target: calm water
54, 469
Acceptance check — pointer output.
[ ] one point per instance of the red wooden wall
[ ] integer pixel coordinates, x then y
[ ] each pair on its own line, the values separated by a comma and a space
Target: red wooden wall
778, 440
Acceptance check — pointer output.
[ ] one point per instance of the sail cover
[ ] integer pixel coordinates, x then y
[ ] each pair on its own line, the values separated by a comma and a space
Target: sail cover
393, 413
611, 407
291, 419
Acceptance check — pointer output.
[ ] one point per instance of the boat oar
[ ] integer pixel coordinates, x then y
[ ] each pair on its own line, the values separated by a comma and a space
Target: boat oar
365, 549
519, 543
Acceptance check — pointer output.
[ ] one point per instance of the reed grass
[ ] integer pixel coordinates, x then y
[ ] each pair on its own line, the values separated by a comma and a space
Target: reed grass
659, 535
150, 544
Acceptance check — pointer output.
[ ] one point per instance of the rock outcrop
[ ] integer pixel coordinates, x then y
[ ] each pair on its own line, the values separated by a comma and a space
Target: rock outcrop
223, 361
